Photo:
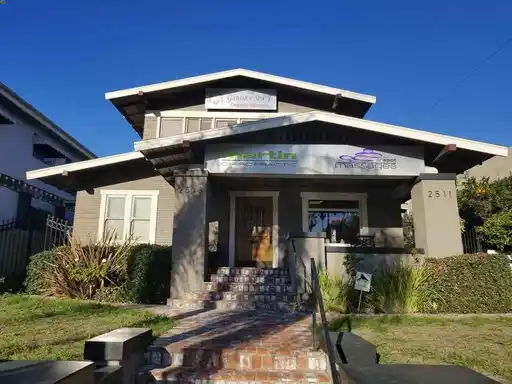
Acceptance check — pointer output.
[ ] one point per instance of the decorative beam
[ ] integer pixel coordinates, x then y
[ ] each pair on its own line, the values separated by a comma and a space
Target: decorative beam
450, 148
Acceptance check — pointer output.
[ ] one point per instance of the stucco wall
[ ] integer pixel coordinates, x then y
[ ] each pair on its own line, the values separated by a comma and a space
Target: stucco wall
16, 146
87, 209
494, 168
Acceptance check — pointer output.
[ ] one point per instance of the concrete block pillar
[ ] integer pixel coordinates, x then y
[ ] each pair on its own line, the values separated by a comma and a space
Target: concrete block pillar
189, 244
436, 215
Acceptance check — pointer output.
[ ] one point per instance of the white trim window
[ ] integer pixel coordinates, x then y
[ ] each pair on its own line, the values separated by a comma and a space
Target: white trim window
343, 216
129, 213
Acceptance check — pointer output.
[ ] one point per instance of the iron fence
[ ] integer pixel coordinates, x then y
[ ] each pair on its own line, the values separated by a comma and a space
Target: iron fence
470, 241
21, 239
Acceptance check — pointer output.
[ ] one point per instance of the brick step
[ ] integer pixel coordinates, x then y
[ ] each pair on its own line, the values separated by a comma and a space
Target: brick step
247, 287
221, 376
227, 357
278, 280
240, 296
184, 304
252, 271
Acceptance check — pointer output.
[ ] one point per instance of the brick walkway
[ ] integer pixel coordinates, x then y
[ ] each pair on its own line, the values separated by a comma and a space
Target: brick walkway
238, 346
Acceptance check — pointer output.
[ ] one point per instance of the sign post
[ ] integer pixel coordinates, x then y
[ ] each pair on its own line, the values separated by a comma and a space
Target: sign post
363, 283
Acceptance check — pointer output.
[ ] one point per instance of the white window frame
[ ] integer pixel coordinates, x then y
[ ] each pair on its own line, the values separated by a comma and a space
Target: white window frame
184, 115
129, 195
361, 198
275, 222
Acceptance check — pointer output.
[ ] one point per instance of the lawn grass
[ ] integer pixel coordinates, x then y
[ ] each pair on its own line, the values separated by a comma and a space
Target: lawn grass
46, 328
480, 343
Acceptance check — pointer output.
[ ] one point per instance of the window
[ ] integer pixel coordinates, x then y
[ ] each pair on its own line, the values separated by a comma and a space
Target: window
206, 124
128, 213
341, 216
220, 123
171, 127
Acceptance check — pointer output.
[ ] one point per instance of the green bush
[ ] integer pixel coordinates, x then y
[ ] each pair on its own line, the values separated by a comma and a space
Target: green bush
36, 270
148, 274
399, 289
144, 276
334, 291
496, 232
474, 283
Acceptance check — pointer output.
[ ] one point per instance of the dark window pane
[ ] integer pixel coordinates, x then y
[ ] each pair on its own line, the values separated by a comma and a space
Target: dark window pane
333, 204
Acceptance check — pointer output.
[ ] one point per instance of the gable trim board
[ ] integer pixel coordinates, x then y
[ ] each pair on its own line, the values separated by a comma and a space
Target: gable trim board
81, 165
326, 117
245, 73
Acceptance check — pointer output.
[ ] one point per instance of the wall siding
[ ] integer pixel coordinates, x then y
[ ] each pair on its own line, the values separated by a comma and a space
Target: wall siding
150, 127
87, 209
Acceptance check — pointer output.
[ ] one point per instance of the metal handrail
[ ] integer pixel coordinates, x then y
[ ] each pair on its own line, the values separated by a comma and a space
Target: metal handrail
317, 300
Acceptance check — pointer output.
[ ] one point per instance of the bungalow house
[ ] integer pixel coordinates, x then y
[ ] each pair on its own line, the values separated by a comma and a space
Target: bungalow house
231, 164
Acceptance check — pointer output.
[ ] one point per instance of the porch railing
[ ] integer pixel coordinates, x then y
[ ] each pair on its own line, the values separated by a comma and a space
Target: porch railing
318, 302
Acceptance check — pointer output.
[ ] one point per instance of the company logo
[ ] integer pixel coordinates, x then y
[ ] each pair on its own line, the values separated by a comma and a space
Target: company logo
266, 159
366, 160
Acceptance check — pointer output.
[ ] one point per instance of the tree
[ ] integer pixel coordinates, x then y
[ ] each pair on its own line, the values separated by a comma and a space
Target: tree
487, 206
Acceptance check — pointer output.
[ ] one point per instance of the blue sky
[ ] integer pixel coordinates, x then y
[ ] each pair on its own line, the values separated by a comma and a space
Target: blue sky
62, 56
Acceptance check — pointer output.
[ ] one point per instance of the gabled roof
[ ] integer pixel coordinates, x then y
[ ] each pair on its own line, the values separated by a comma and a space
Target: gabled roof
9, 98
326, 117
245, 73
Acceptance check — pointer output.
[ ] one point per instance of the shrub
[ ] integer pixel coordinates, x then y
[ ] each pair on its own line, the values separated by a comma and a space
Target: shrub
79, 271
36, 270
474, 283
399, 289
496, 232
144, 277
148, 274
334, 291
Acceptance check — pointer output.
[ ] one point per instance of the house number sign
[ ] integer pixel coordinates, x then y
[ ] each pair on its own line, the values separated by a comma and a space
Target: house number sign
190, 190
439, 194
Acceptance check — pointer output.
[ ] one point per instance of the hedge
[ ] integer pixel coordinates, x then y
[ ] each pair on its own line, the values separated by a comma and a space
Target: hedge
470, 283
146, 279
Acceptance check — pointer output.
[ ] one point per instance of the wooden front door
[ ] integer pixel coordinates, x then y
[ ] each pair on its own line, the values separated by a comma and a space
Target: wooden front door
253, 232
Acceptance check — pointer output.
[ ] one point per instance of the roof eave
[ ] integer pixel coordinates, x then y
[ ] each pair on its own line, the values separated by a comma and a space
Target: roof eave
240, 72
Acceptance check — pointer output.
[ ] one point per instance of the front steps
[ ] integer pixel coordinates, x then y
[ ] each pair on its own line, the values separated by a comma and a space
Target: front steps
238, 347
242, 289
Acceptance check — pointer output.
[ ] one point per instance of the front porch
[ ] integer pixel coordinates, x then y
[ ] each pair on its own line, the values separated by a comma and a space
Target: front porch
231, 243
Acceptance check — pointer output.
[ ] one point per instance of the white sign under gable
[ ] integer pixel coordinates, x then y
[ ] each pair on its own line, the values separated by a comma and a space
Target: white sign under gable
288, 159
363, 281
248, 99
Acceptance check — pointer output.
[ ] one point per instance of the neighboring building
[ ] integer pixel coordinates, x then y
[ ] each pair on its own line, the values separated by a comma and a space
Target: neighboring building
231, 162
29, 140
495, 168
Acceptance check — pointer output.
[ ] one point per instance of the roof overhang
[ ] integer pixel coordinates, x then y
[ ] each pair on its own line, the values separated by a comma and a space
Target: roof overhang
367, 125
72, 176
133, 103
11, 100
245, 73
468, 153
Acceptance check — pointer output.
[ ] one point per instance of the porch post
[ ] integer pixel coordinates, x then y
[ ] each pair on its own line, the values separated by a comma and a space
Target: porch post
189, 245
436, 215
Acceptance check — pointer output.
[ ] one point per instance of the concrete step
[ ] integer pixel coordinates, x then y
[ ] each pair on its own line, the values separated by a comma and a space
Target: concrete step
247, 287
240, 296
223, 376
250, 271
